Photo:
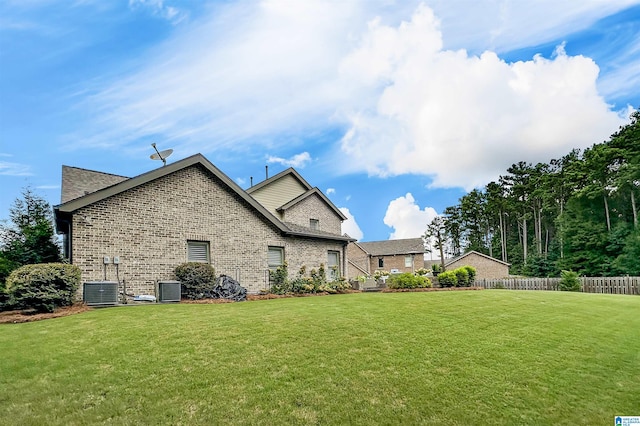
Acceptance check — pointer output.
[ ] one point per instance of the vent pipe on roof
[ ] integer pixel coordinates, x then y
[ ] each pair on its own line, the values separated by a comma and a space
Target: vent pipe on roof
251, 180
266, 171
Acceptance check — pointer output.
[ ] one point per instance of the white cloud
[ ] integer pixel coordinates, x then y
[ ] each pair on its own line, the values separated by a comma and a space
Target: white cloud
298, 160
350, 226
264, 73
407, 218
14, 169
48, 187
241, 181
464, 119
331, 191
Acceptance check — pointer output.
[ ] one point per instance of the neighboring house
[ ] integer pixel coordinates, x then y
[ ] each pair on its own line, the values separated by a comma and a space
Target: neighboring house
396, 256
191, 211
486, 266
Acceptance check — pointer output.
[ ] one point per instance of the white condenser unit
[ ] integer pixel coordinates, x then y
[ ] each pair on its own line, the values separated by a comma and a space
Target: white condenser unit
97, 293
169, 291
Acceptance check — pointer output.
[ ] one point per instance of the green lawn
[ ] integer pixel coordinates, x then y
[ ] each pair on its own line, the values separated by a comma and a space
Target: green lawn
471, 357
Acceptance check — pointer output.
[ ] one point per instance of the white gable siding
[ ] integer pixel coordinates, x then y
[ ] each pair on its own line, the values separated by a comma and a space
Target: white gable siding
278, 193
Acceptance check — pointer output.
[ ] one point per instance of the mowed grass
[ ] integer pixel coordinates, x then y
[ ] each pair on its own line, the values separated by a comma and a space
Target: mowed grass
474, 357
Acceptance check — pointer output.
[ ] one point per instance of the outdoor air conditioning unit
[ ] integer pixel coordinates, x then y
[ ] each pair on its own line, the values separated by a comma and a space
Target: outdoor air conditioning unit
100, 293
169, 291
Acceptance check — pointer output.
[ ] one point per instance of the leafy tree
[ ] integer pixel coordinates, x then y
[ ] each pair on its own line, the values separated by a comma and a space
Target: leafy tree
29, 239
579, 212
435, 236
629, 260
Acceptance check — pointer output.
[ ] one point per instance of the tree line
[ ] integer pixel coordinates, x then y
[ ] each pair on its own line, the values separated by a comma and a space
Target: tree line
578, 212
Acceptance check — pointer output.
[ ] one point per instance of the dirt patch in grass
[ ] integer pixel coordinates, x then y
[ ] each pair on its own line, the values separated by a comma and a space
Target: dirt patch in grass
14, 317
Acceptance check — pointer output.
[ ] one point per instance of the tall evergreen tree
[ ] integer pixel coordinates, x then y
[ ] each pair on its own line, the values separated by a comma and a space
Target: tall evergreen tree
29, 238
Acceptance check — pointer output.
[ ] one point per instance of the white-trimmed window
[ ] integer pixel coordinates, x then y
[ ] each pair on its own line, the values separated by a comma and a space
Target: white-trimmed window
333, 261
408, 261
314, 224
198, 251
275, 257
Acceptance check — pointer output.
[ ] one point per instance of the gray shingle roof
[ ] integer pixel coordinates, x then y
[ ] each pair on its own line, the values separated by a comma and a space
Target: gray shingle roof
77, 182
391, 247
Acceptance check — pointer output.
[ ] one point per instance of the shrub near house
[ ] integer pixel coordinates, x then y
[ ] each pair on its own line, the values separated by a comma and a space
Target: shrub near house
408, 280
43, 287
461, 277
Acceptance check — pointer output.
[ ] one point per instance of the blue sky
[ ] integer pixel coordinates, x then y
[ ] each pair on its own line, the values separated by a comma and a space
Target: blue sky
393, 108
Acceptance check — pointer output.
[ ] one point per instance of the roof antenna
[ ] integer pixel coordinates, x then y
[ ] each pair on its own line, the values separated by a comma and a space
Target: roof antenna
161, 155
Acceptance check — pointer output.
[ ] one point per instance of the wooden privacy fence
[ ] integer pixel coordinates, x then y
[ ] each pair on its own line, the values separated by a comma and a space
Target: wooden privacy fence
607, 285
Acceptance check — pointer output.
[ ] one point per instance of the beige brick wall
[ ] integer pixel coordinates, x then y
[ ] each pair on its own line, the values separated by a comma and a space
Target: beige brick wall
148, 228
358, 257
485, 268
313, 207
397, 262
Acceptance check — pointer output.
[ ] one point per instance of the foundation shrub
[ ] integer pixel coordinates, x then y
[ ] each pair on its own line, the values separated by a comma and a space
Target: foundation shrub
43, 287
448, 279
471, 272
462, 277
197, 279
408, 280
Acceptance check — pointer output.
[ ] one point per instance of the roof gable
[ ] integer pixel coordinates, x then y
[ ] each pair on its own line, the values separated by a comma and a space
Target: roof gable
456, 259
290, 172
313, 192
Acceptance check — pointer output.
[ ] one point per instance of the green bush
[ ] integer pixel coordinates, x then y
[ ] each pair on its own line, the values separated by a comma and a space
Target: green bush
408, 280
471, 271
569, 281
43, 287
4, 298
462, 277
314, 283
278, 279
197, 279
335, 286
447, 279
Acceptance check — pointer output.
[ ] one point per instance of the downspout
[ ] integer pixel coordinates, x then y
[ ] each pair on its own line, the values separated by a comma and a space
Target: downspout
344, 260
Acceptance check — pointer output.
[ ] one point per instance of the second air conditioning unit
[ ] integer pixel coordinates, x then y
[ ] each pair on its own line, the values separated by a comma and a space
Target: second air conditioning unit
169, 291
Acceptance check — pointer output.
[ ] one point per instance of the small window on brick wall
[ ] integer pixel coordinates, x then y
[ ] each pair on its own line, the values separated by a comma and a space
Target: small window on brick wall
333, 261
380, 262
408, 261
275, 257
198, 251
314, 224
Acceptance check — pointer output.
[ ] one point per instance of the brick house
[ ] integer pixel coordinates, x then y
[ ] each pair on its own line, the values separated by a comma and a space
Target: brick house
191, 211
395, 256
486, 266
